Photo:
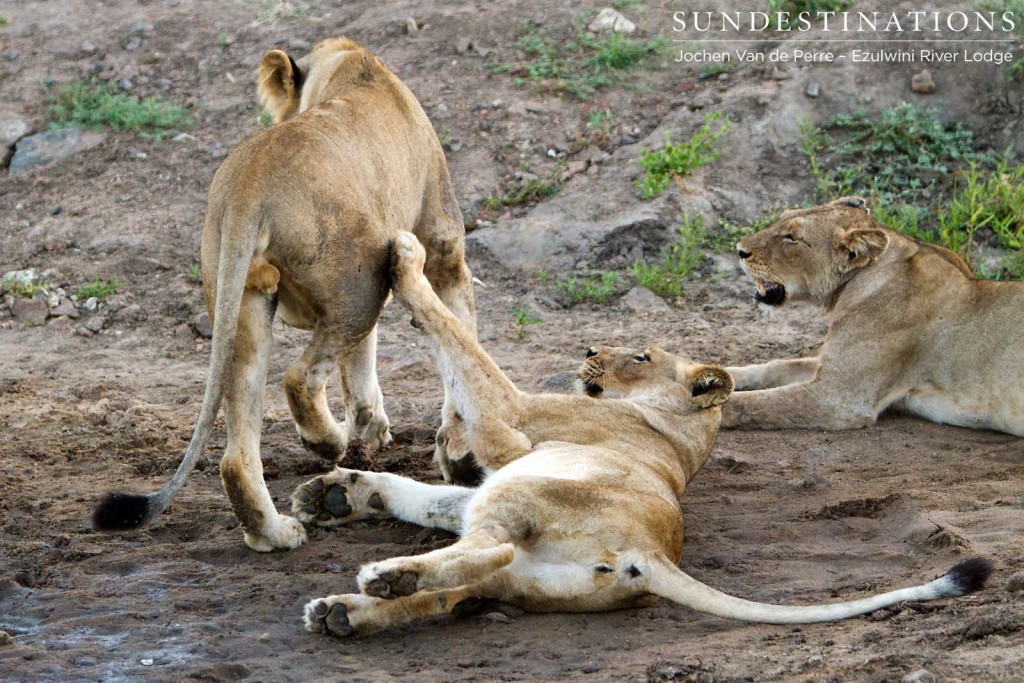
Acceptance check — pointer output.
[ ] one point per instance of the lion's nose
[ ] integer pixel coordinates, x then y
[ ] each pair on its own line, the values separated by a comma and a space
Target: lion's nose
742, 254
591, 352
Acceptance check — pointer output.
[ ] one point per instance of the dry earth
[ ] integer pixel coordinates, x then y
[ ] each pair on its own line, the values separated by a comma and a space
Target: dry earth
790, 517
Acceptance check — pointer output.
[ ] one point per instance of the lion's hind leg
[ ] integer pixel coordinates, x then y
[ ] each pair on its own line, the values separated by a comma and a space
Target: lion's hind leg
470, 560
344, 496
364, 402
305, 383
357, 614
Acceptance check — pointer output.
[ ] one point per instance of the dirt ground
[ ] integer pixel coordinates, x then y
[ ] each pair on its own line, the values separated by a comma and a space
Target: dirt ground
793, 517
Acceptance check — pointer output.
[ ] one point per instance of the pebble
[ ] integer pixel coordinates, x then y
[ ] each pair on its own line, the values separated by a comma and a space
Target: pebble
31, 311
299, 44
812, 90
463, 45
923, 83
202, 325
919, 676
411, 26
90, 304
497, 618
1015, 583
5, 638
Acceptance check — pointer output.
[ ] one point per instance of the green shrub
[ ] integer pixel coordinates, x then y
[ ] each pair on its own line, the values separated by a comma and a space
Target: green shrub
95, 105
681, 158
597, 288
677, 261
100, 289
523, 319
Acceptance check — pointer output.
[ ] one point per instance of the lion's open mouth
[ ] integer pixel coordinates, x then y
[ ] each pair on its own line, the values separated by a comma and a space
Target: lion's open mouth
592, 389
770, 293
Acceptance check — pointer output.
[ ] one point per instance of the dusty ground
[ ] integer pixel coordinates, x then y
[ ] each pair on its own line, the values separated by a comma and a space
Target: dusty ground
789, 517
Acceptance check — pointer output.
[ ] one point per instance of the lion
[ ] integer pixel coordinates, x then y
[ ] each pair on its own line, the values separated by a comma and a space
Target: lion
910, 328
299, 223
580, 508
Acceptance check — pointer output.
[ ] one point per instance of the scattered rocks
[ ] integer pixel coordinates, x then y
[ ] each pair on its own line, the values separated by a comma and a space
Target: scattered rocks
202, 325
64, 307
1015, 583
43, 148
611, 20
919, 676
923, 83
643, 301
31, 312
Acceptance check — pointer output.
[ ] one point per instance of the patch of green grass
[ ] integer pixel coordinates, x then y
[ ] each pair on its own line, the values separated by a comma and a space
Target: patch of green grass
15, 287
96, 105
100, 289
597, 288
524, 319
899, 156
194, 272
795, 7
529, 193
582, 66
4, 20
681, 158
677, 261
716, 69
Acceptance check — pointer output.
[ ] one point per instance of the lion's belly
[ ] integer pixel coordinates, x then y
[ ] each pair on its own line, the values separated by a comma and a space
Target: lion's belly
985, 408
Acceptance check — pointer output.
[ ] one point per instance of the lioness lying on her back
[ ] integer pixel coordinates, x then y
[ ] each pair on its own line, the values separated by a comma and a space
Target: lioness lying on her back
909, 327
580, 510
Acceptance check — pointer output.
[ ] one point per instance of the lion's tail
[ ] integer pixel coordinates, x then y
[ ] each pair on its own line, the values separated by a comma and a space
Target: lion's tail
119, 511
670, 582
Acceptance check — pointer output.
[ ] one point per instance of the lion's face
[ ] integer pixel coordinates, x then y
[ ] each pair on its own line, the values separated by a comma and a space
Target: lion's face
613, 372
289, 86
808, 253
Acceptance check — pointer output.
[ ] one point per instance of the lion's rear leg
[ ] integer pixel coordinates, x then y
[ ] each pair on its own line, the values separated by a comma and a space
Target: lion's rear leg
356, 614
364, 403
240, 468
471, 560
305, 383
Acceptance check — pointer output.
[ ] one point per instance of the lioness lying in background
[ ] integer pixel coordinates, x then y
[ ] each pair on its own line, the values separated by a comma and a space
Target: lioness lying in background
909, 327
299, 224
580, 510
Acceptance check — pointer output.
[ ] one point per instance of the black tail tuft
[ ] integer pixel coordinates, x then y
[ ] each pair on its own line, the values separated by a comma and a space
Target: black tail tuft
120, 511
970, 575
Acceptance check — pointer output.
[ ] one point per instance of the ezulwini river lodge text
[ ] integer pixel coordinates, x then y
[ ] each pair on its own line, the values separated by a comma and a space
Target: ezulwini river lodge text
877, 56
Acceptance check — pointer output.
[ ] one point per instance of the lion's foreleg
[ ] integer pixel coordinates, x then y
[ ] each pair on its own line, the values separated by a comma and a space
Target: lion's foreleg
812, 405
776, 373
240, 468
357, 614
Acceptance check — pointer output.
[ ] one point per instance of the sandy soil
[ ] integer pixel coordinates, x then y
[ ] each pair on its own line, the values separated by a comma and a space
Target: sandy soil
796, 517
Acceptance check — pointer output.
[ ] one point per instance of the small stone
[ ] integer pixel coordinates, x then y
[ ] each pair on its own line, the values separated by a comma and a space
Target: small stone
183, 137
132, 313
411, 26
65, 307
463, 45
571, 169
643, 300
12, 130
497, 618
146, 662
299, 44
202, 325
88, 49
30, 312
627, 140
1015, 583
922, 83
60, 324
134, 43
5, 638
125, 84
812, 90
90, 304
919, 676
610, 19
95, 323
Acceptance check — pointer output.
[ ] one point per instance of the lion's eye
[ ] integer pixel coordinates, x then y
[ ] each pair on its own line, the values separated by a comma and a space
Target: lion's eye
642, 358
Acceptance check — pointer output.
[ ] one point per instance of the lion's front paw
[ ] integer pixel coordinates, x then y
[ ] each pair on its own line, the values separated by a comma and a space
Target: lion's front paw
407, 259
338, 498
331, 615
381, 580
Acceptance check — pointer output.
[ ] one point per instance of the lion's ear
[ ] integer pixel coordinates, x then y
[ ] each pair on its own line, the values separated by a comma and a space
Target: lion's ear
861, 245
279, 84
710, 386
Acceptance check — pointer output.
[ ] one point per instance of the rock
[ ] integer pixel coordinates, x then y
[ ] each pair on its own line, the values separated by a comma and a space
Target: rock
463, 45
571, 169
132, 314
643, 300
22, 277
299, 44
31, 311
497, 618
95, 323
610, 19
65, 307
919, 676
411, 26
11, 130
560, 383
922, 83
812, 90
5, 639
60, 324
1015, 583
90, 304
53, 145
202, 325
